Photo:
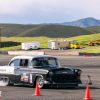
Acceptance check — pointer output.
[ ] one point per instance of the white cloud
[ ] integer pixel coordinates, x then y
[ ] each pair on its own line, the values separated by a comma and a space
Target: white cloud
48, 10
69, 9
15, 6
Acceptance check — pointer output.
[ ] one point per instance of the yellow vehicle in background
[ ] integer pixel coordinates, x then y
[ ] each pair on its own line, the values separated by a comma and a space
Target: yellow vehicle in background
95, 42
75, 46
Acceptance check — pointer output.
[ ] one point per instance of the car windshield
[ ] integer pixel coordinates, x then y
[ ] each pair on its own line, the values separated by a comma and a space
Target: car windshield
45, 62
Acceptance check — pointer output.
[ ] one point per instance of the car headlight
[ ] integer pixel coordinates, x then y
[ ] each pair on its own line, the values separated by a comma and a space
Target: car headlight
50, 73
75, 71
79, 72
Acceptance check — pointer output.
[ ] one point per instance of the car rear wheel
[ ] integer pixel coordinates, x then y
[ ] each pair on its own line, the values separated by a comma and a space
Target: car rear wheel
6, 82
40, 82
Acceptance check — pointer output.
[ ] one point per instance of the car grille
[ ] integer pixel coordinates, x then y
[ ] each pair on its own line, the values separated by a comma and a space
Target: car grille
64, 78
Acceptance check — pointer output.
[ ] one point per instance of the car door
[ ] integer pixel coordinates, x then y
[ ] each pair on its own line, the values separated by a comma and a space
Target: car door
14, 63
23, 71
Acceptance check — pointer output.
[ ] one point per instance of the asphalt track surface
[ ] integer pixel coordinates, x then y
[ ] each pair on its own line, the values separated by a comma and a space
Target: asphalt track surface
88, 65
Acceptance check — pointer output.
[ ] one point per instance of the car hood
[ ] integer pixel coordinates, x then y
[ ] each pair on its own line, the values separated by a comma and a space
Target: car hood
58, 70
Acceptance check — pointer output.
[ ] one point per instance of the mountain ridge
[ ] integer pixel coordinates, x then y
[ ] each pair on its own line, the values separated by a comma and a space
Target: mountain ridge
85, 22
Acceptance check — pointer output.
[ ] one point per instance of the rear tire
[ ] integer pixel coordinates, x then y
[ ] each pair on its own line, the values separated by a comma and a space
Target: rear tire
64, 48
6, 82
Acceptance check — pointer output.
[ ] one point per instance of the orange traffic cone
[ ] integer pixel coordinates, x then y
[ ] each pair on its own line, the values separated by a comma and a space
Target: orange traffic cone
37, 91
87, 95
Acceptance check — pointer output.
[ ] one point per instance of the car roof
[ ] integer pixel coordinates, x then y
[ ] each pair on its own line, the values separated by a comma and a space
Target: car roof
30, 56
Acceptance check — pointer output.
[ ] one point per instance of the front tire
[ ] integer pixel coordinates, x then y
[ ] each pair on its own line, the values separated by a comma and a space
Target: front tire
40, 82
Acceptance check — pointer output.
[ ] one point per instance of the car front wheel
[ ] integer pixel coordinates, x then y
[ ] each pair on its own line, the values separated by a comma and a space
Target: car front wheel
40, 82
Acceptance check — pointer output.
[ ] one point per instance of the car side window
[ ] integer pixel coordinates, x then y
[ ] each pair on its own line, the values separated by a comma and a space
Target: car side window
24, 63
15, 63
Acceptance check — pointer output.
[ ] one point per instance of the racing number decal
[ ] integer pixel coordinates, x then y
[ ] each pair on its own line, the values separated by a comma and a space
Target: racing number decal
30, 78
24, 77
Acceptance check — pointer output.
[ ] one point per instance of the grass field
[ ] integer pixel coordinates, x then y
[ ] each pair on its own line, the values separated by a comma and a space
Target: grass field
43, 41
95, 29
83, 40
92, 51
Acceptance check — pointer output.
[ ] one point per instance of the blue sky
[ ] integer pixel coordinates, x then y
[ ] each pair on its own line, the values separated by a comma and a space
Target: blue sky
47, 11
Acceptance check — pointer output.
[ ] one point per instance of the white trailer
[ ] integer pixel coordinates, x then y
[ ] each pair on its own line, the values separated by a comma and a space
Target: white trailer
31, 45
70, 42
61, 44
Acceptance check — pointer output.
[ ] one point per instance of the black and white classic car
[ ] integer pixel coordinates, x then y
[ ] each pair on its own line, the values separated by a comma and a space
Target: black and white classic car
42, 69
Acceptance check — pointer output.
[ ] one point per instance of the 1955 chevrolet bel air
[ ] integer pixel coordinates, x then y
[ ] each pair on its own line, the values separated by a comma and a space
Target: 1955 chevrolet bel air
42, 69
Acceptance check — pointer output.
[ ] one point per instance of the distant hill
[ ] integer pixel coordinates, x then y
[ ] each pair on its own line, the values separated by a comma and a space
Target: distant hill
53, 31
95, 29
86, 22
10, 30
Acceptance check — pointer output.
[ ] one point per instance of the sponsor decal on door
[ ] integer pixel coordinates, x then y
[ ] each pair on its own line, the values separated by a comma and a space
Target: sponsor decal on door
30, 78
24, 78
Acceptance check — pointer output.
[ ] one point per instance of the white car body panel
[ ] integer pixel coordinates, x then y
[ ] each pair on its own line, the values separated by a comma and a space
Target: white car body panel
7, 69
